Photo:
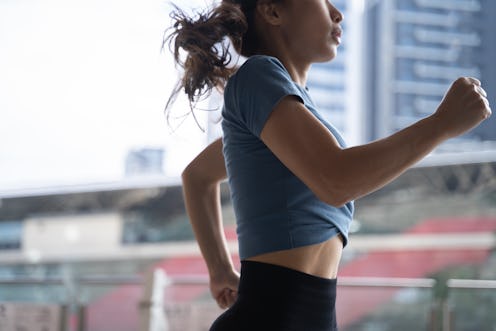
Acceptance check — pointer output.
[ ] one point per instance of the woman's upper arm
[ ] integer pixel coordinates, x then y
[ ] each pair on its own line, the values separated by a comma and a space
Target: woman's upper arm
306, 147
208, 166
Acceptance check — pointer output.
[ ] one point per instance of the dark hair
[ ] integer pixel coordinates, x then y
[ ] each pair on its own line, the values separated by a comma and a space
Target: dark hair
208, 61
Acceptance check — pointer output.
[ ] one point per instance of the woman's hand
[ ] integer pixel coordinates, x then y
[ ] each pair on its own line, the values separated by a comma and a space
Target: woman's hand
464, 106
224, 288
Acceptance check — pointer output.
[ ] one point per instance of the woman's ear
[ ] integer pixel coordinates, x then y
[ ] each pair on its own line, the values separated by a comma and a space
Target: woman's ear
270, 12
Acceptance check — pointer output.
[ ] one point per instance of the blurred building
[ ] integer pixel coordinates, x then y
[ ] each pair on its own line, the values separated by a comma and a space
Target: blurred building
145, 161
414, 49
91, 222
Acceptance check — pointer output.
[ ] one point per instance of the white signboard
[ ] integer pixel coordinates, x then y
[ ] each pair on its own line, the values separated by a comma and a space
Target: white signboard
30, 317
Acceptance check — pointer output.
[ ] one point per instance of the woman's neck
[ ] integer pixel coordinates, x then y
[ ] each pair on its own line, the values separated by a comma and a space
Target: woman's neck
272, 43
297, 69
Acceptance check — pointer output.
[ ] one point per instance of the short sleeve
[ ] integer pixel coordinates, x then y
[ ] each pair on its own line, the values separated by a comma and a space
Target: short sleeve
260, 83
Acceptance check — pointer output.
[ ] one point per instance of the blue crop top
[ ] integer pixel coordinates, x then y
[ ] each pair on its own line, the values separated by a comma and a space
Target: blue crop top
274, 209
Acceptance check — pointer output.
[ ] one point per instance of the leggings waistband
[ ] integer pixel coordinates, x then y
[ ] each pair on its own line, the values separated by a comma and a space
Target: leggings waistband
257, 278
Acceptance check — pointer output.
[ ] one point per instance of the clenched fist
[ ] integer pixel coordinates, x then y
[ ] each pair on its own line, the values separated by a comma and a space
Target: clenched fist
224, 287
463, 107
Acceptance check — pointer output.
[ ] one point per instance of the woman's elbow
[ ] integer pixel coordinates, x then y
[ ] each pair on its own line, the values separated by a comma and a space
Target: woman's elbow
190, 174
335, 196
336, 201
195, 175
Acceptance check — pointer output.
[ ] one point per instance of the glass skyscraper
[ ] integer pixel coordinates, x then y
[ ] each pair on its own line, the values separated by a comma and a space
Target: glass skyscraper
415, 49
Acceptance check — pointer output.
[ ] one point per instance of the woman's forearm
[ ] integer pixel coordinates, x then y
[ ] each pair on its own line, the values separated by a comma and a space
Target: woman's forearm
363, 169
204, 209
201, 189
369, 167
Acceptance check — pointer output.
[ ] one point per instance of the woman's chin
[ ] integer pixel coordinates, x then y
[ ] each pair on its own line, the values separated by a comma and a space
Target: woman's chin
328, 56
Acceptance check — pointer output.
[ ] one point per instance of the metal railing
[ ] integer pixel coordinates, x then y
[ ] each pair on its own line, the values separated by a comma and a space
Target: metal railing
151, 307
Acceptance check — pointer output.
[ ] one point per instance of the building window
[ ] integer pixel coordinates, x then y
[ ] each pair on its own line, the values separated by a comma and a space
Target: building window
10, 235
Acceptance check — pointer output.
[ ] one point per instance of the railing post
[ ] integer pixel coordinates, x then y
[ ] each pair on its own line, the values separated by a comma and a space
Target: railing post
81, 320
447, 316
64, 317
433, 318
151, 308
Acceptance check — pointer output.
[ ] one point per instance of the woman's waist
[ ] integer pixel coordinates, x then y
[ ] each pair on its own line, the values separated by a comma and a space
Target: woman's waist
321, 259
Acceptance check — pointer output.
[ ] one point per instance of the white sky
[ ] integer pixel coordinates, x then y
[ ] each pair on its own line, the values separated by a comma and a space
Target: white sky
82, 82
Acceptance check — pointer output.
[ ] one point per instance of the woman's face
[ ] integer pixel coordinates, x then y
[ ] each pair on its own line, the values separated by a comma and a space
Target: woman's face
311, 29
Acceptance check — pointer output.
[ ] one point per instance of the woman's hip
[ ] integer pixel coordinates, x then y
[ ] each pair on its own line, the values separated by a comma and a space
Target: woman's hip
276, 298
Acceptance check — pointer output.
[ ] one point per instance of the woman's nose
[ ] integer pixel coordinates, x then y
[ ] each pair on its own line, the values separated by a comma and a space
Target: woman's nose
336, 15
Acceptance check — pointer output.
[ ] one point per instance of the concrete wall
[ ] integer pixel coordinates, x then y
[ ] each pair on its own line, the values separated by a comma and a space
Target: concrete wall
71, 235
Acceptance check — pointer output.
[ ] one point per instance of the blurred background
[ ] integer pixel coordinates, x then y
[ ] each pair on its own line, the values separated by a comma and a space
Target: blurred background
90, 194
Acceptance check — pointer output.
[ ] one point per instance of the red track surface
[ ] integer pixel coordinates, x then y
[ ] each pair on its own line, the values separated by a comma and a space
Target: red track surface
117, 310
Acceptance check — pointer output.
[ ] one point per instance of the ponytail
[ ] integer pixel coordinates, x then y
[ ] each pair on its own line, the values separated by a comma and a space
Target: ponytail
207, 64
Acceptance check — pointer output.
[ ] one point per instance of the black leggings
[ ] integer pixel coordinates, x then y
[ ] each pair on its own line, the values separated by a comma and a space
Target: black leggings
274, 298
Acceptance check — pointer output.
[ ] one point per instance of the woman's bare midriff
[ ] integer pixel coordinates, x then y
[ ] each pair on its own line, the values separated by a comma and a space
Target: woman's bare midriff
320, 260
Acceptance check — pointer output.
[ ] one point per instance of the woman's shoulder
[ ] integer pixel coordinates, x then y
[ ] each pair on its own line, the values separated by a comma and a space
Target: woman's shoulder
258, 71
260, 63
263, 59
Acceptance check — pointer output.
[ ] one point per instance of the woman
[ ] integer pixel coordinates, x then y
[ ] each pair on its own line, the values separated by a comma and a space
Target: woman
291, 176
